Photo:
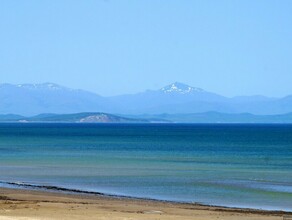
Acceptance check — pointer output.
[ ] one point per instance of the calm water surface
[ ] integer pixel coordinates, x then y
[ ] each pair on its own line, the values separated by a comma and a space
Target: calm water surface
228, 165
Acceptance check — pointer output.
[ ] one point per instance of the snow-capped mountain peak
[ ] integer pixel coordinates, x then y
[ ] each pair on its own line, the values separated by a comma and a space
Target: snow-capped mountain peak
180, 88
42, 86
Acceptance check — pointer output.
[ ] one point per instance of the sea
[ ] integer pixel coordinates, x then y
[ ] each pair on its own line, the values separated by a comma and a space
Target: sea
231, 165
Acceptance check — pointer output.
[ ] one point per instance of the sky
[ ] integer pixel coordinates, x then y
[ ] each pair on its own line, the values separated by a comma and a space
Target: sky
116, 47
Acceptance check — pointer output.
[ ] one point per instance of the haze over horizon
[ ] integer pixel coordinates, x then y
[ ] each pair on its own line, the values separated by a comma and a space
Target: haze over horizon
123, 47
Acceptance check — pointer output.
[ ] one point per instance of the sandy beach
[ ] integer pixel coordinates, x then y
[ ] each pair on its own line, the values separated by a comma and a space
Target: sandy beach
16, 204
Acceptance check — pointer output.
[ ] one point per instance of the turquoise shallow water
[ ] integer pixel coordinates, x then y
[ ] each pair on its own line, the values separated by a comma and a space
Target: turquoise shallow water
228, 165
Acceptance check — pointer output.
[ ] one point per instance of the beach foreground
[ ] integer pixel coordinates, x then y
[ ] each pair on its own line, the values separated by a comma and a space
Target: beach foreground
17, 204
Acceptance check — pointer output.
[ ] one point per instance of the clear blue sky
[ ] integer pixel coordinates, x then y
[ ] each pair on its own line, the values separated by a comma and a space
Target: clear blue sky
118, 46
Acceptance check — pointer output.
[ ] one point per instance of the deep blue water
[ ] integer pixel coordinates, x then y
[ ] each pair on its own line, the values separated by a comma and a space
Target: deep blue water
228, 165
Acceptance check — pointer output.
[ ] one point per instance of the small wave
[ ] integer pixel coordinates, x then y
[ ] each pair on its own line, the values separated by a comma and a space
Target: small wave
46, 187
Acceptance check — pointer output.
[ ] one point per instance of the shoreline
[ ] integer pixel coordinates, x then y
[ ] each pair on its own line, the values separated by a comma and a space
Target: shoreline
37, 204
68, 191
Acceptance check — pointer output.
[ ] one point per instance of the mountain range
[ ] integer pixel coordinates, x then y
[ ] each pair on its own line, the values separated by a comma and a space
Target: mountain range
176, 98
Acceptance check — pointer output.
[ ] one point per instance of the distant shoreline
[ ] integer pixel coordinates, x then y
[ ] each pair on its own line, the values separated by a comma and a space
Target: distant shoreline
196, 118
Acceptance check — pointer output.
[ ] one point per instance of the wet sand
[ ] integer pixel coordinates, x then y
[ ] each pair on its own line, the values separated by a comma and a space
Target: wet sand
16, 204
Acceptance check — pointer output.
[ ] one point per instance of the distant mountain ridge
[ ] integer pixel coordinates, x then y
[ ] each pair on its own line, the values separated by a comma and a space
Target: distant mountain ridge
176, 98
99, 117
32, 99
84, 117
216, 117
